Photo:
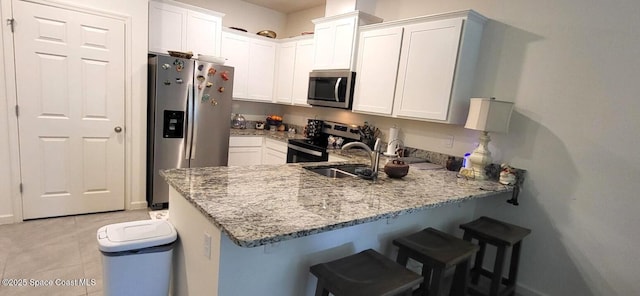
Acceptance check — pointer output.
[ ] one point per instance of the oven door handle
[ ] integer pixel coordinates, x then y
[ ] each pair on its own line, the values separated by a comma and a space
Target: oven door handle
335, 89
305, 150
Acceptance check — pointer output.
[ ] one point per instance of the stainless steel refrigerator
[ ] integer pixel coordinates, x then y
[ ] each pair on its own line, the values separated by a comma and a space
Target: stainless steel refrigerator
189, 111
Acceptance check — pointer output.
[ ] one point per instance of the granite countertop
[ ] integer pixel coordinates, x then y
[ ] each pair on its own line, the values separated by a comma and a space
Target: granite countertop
263, 204
282, 136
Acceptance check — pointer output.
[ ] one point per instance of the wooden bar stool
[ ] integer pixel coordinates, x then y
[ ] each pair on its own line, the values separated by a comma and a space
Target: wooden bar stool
437, 251
502, 235
367, 273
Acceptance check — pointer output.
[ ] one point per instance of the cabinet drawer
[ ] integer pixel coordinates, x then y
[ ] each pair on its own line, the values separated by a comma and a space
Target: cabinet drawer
275, 145
245, 142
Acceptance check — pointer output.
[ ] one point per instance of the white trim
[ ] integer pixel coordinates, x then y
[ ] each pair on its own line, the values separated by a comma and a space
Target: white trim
12, 119
7, 219
523, 290
137, 205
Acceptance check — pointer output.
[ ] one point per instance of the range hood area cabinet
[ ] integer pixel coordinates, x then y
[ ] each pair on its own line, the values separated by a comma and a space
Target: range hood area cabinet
253, 58
335, 39
427, 68
181, 27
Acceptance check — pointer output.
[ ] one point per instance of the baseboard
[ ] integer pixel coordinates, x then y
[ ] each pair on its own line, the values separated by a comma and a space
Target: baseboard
137, 205
7, 219
524, 290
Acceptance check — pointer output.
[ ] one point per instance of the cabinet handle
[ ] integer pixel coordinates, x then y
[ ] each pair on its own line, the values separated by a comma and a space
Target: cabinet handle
117, 129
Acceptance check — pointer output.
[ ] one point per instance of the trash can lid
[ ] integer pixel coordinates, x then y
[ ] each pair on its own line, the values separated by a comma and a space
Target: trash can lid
135, 235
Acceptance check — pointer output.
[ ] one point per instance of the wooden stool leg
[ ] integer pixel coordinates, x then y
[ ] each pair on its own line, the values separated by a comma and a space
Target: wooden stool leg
513, 267
460, 279
320, 290
476, 271
402, 258
427, 274
496, 279
436, 281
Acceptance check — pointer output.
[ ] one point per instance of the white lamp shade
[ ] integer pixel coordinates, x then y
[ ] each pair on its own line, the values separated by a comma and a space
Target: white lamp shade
489, 115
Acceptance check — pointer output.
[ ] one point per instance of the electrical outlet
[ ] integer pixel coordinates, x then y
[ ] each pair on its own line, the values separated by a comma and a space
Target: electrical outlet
447, 141
206, 244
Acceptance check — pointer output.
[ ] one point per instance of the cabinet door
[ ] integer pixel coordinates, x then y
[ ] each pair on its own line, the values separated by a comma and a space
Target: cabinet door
274, 152
427, 65
262, 56
285, 72
235, 49
303, 65
203, 33
167, 27
345, 30
323, 40
245, 156
377, 68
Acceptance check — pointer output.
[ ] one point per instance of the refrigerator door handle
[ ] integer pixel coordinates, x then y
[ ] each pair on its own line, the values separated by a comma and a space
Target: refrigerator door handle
189, 131
194, 126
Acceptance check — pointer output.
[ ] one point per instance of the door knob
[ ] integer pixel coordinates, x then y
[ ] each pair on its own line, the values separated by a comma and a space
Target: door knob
117, 129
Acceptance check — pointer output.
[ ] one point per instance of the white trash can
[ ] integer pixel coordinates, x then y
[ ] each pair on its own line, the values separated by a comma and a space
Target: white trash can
136, 257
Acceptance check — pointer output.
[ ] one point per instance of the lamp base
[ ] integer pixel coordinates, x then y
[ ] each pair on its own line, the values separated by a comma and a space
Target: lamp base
481, 157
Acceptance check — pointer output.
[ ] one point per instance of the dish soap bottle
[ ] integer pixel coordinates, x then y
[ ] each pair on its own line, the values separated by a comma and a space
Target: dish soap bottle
238, 121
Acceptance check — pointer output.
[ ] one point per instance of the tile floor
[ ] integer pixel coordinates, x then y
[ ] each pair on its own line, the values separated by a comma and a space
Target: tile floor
57, 248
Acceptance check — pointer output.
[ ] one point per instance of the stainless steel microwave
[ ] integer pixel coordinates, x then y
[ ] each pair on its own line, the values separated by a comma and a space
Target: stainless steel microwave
331, 88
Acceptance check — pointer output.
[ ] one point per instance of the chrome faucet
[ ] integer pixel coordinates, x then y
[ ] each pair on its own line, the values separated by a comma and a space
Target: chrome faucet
374, 154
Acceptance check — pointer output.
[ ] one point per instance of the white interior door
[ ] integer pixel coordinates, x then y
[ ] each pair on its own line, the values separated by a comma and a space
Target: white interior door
70, 88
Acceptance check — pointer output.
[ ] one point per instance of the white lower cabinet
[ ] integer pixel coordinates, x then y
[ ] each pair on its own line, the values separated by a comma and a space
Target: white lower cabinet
255, 150
245, 150
274, 152
431, 77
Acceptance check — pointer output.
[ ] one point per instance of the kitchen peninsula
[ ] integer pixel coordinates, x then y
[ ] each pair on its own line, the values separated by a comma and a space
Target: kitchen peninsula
256, 229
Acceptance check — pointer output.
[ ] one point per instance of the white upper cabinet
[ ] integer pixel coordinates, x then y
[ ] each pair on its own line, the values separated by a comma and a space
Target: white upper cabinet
203, 33
294, 62
284, 78
253, 58
303, 65
180, 27
376, 70
335, 39
433, 71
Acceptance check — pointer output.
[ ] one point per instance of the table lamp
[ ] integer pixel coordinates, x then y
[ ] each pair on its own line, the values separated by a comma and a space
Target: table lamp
486, 115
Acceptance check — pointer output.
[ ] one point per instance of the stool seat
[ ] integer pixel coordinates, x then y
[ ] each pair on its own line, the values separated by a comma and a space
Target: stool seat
437, 251
501, 235
495, 232
366, 273
437, 248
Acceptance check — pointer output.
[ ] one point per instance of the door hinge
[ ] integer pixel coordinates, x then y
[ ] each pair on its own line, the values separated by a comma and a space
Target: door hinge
17, 111
20, 187
11, 22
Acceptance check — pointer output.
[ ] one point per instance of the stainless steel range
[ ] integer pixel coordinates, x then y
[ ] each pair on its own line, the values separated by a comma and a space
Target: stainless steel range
320, 135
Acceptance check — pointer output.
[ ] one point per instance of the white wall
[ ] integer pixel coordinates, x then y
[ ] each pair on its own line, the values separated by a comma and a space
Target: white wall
245, 15
300, 21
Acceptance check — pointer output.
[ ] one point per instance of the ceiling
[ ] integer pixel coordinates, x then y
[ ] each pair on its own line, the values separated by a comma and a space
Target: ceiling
287, 6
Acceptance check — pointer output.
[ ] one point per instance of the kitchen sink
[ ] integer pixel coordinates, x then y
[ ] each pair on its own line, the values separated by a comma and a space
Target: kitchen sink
338, 170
